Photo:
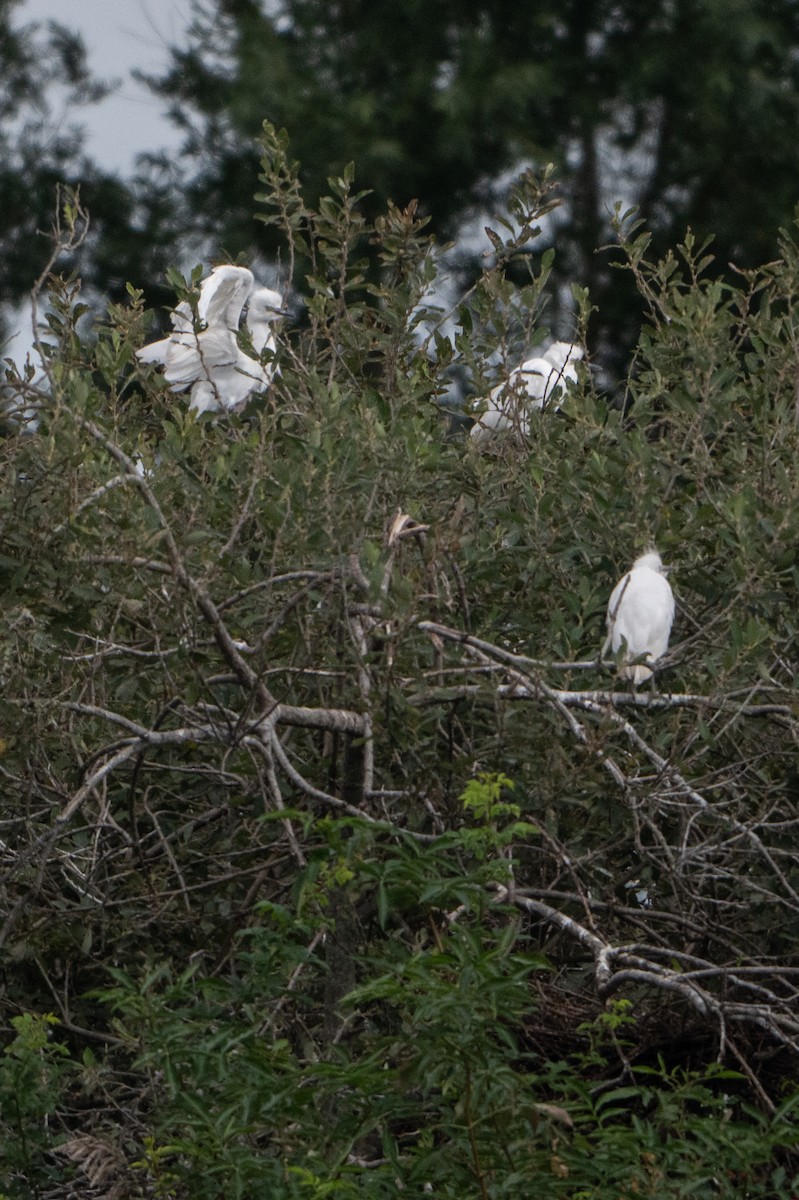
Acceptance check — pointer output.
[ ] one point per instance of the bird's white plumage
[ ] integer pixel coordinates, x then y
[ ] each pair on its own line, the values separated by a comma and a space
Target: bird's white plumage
223, 295
640, 616
209, 360
537, 383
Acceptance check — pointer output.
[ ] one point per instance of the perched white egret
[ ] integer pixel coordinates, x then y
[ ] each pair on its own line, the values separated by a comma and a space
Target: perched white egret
209, 360
640, 615
536, 384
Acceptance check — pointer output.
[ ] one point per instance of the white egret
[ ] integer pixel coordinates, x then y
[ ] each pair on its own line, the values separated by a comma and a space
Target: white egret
536, 384
640, 616
209, 360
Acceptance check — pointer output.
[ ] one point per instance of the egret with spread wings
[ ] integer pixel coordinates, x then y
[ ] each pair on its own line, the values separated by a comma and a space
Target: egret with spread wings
206, 356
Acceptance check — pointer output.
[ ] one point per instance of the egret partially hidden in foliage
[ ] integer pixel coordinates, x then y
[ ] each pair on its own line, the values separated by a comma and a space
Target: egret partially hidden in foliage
640, 616
538, 383
208, 358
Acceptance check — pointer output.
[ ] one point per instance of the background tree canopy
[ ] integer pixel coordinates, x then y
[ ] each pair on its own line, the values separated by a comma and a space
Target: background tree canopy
686, 108
46, 95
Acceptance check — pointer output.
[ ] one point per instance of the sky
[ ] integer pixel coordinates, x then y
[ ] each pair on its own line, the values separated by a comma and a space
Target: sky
120, 35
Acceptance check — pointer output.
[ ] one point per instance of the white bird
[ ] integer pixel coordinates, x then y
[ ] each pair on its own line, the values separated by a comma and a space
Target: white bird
209, 360
640, 616
533, 385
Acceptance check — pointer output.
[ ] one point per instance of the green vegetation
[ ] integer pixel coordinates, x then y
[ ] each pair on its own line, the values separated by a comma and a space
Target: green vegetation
334, 861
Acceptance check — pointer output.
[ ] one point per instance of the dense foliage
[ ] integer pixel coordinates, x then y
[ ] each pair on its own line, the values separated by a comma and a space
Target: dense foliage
334, 861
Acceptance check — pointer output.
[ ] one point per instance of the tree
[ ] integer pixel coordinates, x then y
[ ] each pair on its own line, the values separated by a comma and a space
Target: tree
343, 862
41, 147
45, 90
684, 108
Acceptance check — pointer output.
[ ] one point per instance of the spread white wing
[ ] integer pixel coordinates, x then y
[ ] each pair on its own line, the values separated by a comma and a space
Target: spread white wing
205, 355
223, 295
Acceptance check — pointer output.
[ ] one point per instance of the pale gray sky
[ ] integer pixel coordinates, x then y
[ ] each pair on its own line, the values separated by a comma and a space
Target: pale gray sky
120, 35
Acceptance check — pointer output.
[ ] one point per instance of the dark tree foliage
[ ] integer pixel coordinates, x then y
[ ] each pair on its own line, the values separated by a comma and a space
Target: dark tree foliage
40, 145
46, 92
686, 107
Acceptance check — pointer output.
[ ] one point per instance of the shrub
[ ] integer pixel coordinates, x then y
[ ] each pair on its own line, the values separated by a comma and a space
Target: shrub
307, 741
